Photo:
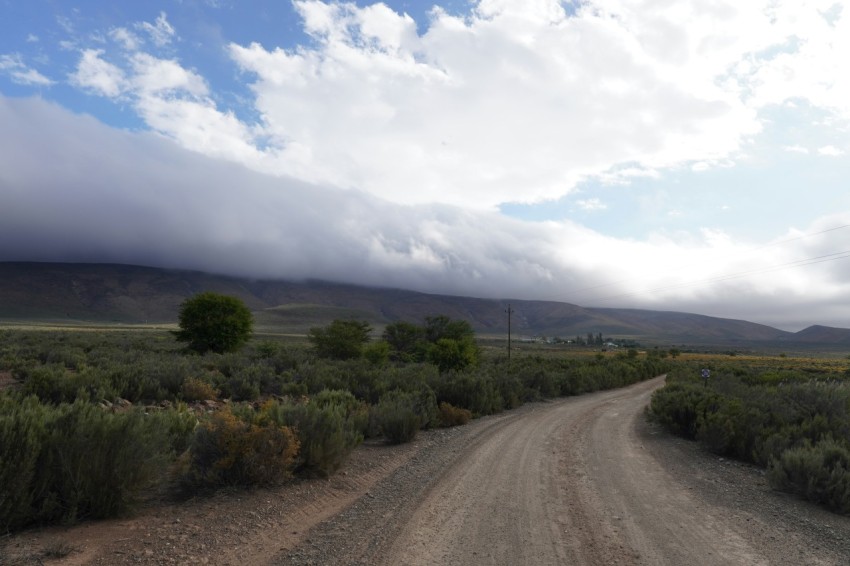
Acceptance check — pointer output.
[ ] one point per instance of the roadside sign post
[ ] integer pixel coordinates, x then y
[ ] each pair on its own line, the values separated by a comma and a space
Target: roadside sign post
706, 373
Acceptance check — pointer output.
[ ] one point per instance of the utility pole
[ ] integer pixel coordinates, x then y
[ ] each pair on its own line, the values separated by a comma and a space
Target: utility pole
510, 311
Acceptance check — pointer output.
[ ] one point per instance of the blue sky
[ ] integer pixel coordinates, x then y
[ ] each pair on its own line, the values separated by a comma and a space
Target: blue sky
679, 156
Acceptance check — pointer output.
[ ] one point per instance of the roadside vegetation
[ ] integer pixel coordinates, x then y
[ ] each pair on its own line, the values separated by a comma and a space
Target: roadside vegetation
92, 423
790, 416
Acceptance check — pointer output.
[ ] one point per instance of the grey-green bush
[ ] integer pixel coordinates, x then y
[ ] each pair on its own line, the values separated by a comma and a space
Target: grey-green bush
398, 417
72, 461
819, 472
329, 426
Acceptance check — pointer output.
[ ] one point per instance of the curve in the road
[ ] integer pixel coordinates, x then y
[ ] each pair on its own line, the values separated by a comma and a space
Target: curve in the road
567, 484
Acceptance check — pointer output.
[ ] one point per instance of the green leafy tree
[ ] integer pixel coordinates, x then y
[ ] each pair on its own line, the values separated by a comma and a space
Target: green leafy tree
213, 322
341, 339
452, 343
448, 344
406, 341
449, 354
441, 326
377, 353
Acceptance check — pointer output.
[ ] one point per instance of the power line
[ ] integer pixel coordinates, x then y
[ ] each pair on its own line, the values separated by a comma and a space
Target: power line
800, 237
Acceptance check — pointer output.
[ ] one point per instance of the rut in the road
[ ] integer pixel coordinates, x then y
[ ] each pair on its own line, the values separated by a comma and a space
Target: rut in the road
563, 482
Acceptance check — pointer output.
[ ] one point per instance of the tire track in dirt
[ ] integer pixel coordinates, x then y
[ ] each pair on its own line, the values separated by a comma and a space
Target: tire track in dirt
326, 498
637, 513
571, 483
512, 500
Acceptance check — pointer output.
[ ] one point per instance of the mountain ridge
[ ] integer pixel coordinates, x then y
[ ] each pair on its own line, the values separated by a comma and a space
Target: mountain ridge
139, 294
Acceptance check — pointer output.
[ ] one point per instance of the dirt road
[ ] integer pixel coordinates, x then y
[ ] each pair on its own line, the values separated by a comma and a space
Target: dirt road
583, 480
569, 483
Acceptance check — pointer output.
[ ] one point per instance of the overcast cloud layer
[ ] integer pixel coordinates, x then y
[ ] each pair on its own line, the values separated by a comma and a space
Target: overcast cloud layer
380, 151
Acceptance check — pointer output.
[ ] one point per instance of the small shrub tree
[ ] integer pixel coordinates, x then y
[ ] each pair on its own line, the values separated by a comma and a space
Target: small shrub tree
453, 354
441, 326
231, 451
453, 416
397, 416
377, 353
329, 426
341, 339
213, 322
446, 343
452, 343
406, 341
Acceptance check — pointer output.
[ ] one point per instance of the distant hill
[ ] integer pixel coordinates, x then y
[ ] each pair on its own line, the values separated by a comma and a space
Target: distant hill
823, 335
687, 326
134, 294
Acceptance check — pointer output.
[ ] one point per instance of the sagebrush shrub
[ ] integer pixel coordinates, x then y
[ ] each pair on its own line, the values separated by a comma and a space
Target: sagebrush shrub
48, 382
718, 429
796, 426
23, 430
196, 389
819, 472
67, 462
397, 417
453, 416
230, 451
473, 391
680, 406
329, 426
148, 376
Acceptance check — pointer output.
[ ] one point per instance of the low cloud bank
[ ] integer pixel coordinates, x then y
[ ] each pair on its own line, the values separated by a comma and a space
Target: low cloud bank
72, 189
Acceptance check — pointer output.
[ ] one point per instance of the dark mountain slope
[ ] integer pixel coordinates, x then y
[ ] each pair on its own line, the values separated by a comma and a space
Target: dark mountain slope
687, 325
133, 294
822, 335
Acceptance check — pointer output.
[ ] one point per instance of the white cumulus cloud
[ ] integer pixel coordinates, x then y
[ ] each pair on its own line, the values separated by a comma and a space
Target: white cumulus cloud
515, 101
98, 75
830, 150
20, 73
160, 32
